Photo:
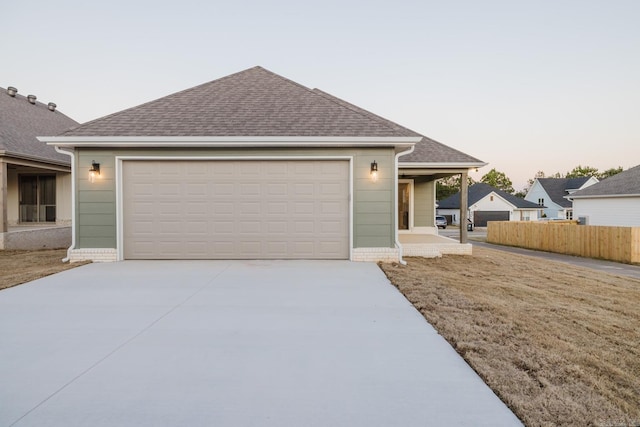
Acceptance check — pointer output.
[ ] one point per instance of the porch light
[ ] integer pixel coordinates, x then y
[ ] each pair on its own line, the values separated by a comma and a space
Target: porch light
95, 170
374, 171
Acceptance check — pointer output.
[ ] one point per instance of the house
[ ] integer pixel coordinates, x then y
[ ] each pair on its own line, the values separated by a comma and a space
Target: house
614, 201
35, 199
550, 195
253, 166
487, 203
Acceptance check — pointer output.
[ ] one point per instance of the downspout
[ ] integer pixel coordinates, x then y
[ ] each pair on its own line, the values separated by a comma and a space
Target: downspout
73, 201
395, 202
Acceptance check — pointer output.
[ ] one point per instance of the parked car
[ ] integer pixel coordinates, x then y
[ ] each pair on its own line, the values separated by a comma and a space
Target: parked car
441, 222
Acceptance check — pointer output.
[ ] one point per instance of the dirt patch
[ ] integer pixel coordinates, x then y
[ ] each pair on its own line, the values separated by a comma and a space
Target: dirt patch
17, 267
559, 344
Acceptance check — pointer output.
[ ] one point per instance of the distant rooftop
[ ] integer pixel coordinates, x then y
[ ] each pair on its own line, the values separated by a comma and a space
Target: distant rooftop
625, 183
558, 188
480, 190
22, 119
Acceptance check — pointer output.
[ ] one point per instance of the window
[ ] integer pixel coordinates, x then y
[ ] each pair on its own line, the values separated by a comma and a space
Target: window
540, 202
37, 198
569, 214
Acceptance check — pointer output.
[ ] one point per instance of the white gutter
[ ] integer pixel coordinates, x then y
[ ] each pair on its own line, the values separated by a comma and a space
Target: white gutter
225, 141
443, 165
395, 199
73, 202
599, 196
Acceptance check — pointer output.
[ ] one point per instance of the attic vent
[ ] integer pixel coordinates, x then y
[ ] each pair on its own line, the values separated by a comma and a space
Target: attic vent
31, 99
52, 106
11, 91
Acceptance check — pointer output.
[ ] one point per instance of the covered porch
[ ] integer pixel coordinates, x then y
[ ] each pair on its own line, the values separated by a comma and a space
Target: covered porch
35, 204
417, 232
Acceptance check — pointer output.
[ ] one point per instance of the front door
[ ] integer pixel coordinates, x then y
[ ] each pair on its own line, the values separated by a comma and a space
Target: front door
404, 205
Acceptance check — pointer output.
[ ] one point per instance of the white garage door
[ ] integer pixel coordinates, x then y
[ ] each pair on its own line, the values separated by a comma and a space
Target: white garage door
236, 209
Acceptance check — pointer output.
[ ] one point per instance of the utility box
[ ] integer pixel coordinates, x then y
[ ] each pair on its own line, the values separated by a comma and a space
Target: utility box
583, 220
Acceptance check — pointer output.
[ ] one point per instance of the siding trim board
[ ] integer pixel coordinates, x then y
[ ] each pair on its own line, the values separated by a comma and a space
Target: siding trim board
119, 182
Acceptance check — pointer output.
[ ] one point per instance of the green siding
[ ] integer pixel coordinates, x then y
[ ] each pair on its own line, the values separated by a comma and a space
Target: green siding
424, 208
373, 202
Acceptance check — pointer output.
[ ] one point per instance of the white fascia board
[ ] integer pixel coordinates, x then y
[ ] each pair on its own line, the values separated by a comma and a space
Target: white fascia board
227, 141
427, 165
601, 196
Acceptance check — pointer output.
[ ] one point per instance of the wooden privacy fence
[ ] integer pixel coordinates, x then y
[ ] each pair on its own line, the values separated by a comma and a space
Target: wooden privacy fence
620, 244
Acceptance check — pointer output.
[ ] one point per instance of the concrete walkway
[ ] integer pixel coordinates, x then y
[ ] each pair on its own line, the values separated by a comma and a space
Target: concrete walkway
216, 343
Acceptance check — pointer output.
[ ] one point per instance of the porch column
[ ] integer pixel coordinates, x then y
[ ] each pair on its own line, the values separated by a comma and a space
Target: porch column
464, 206
3, 196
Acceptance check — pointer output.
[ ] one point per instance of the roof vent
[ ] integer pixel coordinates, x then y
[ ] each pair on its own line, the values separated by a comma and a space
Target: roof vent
11, 91
52, 106
31, 99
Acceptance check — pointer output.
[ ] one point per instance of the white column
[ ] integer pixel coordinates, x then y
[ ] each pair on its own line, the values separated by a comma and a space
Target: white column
3, 196
464, 206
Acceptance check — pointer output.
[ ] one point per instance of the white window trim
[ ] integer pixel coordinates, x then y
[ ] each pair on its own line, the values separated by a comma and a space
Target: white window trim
119, 181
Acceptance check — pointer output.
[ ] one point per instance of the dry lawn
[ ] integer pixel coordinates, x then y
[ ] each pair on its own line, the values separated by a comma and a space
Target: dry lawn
18, 267
559, 344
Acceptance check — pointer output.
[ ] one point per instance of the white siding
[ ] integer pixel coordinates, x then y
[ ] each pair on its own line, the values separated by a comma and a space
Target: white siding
492, 202
537, 192
612, 211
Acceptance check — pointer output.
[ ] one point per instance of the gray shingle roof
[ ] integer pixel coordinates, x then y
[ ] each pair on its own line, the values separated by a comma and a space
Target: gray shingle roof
254, 102
21, 122
480, 190
623, 183
426, 151
257, 102
557, 188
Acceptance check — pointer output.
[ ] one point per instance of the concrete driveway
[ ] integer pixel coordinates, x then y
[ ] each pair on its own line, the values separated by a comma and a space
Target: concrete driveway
204, 343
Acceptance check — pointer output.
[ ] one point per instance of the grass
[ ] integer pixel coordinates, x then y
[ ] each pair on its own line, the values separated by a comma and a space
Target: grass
17, 267
559, 344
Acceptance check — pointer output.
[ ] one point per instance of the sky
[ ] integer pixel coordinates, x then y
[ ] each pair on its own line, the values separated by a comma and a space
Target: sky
524, 86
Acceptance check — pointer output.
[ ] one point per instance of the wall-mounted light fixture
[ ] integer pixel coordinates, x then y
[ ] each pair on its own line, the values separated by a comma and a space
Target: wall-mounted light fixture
374, 171
95, 170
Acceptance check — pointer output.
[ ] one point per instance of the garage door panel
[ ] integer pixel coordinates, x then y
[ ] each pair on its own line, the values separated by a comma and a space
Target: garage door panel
480, 218
236, 209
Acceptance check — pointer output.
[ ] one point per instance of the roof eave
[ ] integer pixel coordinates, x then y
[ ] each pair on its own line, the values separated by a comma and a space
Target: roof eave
441, 165
228, 141
602, 196
27, 157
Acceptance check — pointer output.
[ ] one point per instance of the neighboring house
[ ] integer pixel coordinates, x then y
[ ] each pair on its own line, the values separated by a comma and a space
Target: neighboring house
35, 179
487, 203
251, 165
614, 201
550, 195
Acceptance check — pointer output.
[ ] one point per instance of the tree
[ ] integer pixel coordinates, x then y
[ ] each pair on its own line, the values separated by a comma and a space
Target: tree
450, 185
498, 180
609, 172
580, 171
